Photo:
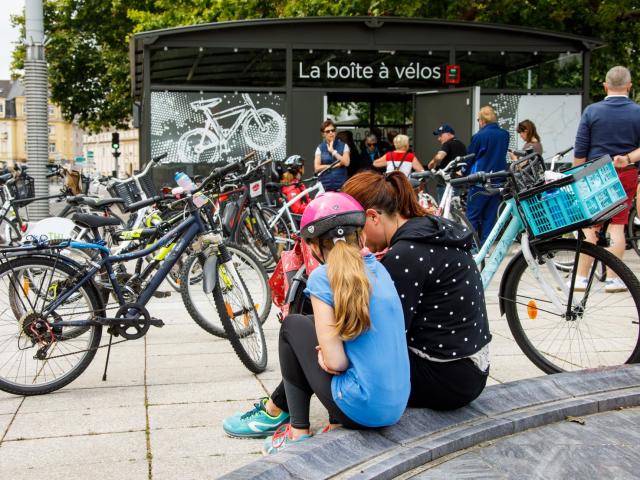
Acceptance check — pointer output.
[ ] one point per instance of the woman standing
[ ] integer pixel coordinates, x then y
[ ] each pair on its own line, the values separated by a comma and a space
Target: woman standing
401, 159
529, 134
330, 150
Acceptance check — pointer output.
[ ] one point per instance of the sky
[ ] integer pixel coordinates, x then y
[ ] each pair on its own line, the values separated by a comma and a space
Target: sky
8, 35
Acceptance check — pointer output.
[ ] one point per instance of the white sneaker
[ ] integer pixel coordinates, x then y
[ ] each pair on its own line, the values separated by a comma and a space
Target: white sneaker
615, 285
581, 284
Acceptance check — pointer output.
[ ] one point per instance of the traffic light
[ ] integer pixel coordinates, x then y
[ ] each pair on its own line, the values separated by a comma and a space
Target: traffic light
115, 141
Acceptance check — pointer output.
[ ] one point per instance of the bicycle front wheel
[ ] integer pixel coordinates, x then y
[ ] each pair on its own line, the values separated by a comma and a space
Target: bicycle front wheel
600, 329
202, 307
240, 318
633, 230
37, 354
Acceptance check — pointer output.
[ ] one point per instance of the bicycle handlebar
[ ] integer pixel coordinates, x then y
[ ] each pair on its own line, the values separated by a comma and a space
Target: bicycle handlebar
144, 203
479, 177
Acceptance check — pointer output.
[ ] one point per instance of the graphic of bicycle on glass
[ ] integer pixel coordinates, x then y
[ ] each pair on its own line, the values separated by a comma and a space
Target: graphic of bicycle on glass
263, 129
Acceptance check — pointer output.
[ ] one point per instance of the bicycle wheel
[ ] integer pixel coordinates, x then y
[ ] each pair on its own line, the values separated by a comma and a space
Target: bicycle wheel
265, 134
202, 307
255, 235
281, 231
633, 229
601, 329
36, 356
198, 145
240, 318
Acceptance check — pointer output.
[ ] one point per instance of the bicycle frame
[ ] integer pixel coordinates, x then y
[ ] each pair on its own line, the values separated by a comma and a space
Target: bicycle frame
239, 111
284, 209
186, 231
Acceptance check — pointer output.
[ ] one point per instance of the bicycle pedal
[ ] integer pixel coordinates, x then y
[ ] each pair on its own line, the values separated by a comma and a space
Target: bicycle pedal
156, 322
157, 294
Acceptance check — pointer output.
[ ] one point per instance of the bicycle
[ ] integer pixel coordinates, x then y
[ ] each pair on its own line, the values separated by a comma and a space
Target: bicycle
53, 313
263, 129
558, 325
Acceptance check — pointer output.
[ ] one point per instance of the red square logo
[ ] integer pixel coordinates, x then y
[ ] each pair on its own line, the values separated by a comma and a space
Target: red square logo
452, 75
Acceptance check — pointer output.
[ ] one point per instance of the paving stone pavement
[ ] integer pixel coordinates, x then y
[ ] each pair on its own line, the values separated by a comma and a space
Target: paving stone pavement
159, 413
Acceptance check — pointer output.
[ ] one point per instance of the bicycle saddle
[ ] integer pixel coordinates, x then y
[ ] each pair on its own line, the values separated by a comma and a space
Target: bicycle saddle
93, 221
4, 178
94, 202
208, 103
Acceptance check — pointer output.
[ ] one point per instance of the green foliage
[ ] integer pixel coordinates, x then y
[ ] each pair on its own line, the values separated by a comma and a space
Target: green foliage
88, 49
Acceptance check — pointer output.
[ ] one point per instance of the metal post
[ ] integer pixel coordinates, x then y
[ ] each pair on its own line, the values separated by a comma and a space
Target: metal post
36, 85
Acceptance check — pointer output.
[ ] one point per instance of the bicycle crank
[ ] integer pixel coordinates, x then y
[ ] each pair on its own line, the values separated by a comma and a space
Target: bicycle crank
132, 321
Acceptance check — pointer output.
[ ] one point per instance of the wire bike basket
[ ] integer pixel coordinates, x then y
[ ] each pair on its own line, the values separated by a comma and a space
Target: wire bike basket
129, 191
22, 187
585, 196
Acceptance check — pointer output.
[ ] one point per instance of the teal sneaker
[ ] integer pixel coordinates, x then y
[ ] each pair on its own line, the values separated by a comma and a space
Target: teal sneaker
255, 423
280, 440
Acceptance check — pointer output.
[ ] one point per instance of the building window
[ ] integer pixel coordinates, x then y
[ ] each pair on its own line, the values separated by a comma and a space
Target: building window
52, 110
52, 129
52, 148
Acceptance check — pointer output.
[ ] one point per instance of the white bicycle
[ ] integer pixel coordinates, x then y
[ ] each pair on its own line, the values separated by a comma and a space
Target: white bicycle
263, 129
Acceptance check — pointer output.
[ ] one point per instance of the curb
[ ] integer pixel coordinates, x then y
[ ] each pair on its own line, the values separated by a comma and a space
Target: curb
424, 435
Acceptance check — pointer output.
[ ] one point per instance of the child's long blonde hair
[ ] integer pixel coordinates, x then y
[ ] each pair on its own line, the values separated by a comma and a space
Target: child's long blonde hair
349, 283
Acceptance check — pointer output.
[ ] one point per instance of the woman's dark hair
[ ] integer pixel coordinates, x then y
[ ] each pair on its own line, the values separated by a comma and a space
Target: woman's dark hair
529, 127
390, 193
328, 122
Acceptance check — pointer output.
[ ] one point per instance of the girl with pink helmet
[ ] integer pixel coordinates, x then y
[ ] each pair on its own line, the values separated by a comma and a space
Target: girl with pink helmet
336, 353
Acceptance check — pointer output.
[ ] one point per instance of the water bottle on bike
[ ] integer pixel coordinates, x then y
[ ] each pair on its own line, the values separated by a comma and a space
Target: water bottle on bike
184, 181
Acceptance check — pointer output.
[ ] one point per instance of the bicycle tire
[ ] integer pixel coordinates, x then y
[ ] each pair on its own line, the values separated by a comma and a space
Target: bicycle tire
244, 327
607, 323
202, 309
14, 329
632, 231
247, 235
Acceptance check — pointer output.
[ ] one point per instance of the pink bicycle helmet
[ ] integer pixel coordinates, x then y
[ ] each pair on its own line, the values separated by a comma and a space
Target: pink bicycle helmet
330, 215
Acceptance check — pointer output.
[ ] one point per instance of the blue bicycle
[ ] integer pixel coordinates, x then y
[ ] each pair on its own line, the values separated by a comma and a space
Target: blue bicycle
52, 310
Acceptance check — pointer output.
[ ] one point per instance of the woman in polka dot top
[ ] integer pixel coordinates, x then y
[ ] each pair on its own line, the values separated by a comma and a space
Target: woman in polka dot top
442, 297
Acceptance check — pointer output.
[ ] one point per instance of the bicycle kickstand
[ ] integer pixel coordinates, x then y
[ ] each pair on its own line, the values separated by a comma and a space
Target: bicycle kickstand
106, 363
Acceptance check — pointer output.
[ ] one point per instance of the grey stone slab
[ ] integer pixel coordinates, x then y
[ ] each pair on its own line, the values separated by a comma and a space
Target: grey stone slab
74, 451
619, 399
467, 466
112, 470
556, 412
79, 422
223, 390
465, 437
83, 399
198, 374
185, 415
198, 441
265, 469
516, 395
5, 420
419, 422
199, 467
599, 380
398, 462
9, 404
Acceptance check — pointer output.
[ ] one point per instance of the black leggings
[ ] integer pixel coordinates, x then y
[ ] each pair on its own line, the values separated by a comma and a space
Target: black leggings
302, 376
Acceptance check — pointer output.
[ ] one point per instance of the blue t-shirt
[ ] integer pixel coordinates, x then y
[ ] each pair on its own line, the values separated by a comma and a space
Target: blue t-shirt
374, 389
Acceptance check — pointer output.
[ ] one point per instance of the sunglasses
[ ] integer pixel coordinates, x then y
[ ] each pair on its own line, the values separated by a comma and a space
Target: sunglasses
330, 130
371, 144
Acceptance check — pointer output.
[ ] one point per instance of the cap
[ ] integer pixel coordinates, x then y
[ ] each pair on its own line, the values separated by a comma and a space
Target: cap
444, 129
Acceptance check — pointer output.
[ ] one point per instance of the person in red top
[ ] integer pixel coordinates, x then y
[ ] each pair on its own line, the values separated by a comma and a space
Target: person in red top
291, 178
401, 159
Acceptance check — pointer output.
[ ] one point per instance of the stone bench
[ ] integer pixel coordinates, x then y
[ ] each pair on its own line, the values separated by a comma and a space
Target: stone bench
424, 435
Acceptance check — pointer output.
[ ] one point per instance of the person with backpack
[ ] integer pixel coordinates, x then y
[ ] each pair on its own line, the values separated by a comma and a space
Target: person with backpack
292, 183
401, 159
336, 354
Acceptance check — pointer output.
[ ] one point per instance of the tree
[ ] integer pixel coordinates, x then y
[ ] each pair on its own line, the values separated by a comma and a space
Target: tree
88, 51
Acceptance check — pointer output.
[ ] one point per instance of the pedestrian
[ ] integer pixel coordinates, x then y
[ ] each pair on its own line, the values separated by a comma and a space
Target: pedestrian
336, 354
370, 152
611, 127
400, 159
450, 147
346, 136
330, 150
490, 146
430, 262
529, 135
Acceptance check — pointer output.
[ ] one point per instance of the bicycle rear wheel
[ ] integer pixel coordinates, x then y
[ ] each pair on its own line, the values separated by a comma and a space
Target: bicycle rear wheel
601, 328
38, 356
240, 318
633, 229
202, 307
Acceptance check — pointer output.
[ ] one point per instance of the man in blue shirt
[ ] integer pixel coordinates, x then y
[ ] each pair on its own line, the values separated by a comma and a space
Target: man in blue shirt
612, 127
490, 145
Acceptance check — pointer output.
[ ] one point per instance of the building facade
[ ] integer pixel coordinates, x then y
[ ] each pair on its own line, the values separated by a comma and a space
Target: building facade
65, 138
99, 156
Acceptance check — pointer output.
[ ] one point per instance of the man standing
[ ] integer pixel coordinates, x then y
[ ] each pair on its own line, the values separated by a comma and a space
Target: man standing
611, 127
490, 146
450, 147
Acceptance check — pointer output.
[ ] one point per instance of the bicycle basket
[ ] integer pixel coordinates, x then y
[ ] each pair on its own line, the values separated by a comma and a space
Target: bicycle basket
148, 187
527, 173
584, 196
128, 191
23, 187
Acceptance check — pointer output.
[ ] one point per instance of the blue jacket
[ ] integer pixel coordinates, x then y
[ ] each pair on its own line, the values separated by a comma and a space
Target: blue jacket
490, 145
332, 180
610, 127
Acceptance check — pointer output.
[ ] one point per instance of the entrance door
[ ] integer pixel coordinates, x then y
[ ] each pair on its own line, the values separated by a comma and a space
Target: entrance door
455, 107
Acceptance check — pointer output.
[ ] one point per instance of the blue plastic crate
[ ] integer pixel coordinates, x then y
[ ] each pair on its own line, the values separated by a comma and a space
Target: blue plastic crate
584, 199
